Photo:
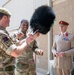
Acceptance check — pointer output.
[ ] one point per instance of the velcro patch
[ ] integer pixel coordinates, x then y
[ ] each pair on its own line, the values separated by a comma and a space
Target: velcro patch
5, 39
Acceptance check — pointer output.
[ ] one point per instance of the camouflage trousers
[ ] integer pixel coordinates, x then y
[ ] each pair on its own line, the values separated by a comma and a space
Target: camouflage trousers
25, 72
6, 72
26, 67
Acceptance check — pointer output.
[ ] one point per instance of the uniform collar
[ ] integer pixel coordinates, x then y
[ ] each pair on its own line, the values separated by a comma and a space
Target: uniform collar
65, 33
2, 28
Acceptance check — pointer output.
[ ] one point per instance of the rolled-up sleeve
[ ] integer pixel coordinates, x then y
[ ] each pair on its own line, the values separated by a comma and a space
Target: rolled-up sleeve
35, 49
10, 49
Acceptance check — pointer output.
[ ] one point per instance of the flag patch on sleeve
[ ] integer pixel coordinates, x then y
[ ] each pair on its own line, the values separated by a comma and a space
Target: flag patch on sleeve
5, 39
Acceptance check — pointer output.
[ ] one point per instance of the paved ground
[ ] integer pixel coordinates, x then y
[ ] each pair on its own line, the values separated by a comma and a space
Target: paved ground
39, 73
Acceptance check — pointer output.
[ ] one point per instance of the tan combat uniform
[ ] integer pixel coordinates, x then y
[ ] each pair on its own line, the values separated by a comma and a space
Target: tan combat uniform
6, 46
63, 43
24, 64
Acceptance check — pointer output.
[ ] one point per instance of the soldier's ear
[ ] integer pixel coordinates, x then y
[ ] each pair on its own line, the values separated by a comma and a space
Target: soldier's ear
5, 17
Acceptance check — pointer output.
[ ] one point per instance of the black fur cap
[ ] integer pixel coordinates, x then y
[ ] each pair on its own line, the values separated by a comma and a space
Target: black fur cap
42, 19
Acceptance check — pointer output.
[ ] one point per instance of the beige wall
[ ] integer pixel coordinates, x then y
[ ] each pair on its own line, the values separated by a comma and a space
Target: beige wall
42, 61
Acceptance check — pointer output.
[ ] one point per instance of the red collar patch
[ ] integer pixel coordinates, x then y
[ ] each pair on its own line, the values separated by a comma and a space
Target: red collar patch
65, 34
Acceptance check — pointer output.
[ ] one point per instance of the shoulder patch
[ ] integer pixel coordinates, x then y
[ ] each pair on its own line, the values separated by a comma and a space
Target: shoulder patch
5, 39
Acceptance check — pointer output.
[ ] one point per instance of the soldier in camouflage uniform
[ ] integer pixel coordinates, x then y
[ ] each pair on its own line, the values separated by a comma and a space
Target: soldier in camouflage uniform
9, 49
24, 64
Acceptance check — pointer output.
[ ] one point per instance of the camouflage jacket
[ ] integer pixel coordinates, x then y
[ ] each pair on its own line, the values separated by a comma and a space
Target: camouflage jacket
5, 42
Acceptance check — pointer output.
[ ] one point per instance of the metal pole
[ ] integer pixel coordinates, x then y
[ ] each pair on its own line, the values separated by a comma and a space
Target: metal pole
49, 42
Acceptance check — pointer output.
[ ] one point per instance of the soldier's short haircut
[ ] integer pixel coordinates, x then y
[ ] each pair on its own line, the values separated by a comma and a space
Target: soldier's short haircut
1, 15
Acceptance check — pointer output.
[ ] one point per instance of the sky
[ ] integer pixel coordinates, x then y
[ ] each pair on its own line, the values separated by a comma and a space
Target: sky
2, 2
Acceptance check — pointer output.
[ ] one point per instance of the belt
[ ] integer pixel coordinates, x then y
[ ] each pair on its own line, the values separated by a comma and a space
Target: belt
8, 68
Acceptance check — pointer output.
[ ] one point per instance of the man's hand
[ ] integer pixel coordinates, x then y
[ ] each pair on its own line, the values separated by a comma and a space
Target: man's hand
20, 35
30, 38
56, 54
41, 52
61, 54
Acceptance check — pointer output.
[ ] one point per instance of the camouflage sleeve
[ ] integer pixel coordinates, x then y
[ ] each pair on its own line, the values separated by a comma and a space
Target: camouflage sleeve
6, 44
35, 48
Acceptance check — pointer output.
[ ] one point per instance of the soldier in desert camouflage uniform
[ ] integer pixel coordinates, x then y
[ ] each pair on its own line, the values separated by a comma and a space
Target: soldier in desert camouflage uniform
6, 61
24, 64
8, 49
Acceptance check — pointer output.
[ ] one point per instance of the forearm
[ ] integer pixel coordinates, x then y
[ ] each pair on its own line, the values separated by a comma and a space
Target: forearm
17, 51
21, 47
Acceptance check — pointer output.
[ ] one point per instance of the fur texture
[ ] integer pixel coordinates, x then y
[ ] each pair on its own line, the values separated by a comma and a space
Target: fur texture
42, 19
